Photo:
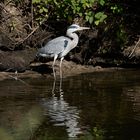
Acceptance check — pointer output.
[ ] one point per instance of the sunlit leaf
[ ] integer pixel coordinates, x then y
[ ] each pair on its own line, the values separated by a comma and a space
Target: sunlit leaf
97, 22
102, 2
100, 16
91, 19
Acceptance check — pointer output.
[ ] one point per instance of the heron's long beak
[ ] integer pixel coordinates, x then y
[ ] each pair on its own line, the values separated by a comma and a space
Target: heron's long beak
83, 28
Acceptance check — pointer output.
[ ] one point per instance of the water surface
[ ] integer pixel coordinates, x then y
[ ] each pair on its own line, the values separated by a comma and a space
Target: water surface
100, 105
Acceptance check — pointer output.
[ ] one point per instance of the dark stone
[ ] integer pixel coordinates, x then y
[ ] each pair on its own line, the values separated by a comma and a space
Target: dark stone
16, 60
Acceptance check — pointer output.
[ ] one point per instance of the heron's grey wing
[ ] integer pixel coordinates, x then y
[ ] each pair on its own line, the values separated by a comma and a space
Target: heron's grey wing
54, 47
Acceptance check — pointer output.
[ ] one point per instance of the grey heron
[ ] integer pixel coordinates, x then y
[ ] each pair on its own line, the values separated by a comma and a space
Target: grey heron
61, 46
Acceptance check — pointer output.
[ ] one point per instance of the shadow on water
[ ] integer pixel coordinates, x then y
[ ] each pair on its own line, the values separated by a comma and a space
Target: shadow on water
101, 105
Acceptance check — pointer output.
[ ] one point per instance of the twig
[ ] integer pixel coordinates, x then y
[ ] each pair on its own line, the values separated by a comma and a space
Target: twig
32, 16
28, 26
18, 79
3, 8
31, 27
130, 55
31, 33
28, 35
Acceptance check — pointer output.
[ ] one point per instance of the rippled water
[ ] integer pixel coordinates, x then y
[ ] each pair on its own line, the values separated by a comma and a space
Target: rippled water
95, 106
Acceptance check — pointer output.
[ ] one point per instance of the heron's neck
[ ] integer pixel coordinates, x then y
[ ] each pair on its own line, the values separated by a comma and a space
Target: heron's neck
74, 38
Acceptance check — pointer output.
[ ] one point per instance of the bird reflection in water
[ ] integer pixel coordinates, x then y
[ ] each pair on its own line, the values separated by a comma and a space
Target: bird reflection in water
61, 113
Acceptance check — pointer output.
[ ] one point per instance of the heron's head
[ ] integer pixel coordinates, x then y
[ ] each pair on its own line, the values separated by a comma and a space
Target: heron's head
75, 27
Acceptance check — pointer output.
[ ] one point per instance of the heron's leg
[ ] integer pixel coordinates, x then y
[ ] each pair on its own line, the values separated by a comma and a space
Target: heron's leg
53, 89
61, 67
16, 74
60, 87
55, 57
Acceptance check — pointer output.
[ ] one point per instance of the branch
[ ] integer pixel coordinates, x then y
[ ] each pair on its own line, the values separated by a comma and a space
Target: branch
130, 55
32, 16
28, 35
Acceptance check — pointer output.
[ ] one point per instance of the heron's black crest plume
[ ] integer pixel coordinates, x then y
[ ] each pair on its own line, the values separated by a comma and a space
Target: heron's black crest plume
73, 27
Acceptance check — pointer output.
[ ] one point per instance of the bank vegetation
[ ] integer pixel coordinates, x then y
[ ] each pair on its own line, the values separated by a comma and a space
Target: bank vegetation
113, 40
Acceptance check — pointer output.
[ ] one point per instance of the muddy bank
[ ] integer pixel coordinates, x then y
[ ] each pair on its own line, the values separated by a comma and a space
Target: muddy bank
38, 70
108, 45
11, 61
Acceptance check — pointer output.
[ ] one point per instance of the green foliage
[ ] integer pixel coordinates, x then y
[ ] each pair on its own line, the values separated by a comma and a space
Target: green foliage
116, 9
100, 17
12, 26
121, 36
98, 133
40, 9
69, 10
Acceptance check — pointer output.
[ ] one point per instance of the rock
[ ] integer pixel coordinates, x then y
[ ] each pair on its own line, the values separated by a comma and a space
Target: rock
4, 41
16, 60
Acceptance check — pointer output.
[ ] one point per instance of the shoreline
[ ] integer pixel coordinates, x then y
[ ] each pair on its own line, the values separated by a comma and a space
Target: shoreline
69, 68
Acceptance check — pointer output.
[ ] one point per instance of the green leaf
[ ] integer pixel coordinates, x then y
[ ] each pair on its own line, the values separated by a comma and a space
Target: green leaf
36, 1
97, 22
102, 2
55, 2
87, 5
103, 18
33, 1
80, 14
40, 10
83, 1
87, 18
100, 16
91, 19
45, 9
92, 1
78, 9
